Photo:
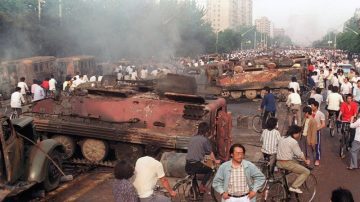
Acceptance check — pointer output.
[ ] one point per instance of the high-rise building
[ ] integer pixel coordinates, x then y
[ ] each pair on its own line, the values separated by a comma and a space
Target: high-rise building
245, 12
222, 14
357, 13
278, 32
263, 25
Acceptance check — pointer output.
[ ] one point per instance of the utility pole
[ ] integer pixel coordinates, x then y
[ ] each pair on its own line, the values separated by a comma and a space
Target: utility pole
60, 11
255, 39
39, 9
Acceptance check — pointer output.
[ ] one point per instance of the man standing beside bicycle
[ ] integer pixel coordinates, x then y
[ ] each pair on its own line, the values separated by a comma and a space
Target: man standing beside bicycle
238, 179
288, 149
268, 104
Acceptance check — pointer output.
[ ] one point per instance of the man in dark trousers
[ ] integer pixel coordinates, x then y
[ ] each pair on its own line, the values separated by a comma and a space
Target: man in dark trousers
268, 104
199, 146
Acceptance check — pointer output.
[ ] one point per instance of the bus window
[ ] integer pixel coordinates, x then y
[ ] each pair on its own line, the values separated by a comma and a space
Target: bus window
41, 67
36, 67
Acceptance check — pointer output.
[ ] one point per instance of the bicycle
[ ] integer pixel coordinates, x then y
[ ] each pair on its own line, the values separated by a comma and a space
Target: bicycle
332, 123
345, 139
305, 93
188, 189
279, 189
257, 121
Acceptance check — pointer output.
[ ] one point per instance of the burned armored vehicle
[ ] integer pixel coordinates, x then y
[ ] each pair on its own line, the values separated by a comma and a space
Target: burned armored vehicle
25, 160
114, 117
247, 78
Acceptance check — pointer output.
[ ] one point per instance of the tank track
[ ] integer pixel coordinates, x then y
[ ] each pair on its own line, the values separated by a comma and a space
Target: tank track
109, 164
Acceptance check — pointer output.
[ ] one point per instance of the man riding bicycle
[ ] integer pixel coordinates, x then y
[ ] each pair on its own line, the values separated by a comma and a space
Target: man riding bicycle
199, 146
333, 102
288, 148
348, 111
268, 104
294, 103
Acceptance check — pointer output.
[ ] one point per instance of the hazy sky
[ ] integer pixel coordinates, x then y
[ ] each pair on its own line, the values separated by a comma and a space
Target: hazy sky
306, 20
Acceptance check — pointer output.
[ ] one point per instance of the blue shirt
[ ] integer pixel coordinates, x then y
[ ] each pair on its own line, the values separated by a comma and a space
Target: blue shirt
254, 177
269, 103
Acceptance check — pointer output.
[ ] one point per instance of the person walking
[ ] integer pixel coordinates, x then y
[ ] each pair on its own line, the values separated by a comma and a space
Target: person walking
16, 100
309, 135
24, 88
52, 85
320, 120
238, 179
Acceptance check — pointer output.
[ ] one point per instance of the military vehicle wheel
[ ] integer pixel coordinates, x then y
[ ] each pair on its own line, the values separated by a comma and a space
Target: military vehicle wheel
94, 150
250, 94
236, 94
68, 143
225, 94
129, 152
52, 173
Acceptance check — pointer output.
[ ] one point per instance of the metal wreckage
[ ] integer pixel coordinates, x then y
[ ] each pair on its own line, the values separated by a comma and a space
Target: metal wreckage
119, 118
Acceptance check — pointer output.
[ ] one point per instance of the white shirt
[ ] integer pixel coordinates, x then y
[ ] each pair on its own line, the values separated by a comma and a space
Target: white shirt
335, 81
356, 125
295, 86
16, 99
346, 88
39, 93
52, 84
100, 78
93, 78
293, 98
143, 73
23, 87
147, 172
134, 75
334, 100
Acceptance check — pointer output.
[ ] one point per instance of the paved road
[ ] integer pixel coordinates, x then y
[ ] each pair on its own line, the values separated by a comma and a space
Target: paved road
331, 174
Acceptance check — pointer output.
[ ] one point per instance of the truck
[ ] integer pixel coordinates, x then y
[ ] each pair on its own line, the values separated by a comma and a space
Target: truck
111, 117
25, 160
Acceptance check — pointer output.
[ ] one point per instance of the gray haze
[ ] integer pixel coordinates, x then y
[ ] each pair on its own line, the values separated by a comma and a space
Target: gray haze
306, 20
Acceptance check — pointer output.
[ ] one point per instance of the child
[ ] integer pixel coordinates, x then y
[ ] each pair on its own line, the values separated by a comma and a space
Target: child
270, 138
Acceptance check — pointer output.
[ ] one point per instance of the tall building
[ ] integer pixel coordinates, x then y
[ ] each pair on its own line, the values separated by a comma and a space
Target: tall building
278, 32
222, 14
263, 25
245, 12
357, 13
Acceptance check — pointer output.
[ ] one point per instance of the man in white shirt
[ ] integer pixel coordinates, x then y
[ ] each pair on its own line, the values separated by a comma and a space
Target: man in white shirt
333, 101
93, 78
16, 100
294, 85
346, 87
39, 92
148, 171
294, 103
23, 86
52, 85
355, 146
317, 96
143, 73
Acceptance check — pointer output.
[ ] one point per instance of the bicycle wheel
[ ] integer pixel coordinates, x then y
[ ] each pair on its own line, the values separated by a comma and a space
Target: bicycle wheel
182, 189
257, 123
309, 189
276, 193
332, 127
342, 146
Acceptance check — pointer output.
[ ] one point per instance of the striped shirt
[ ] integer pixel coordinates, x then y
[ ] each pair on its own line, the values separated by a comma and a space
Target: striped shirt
237, 184
270, 140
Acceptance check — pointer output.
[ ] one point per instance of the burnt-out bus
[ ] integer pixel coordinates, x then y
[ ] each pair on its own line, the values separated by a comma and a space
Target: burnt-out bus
11, 71
68, 66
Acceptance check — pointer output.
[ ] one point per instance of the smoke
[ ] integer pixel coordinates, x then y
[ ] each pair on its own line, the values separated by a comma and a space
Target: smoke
109, 30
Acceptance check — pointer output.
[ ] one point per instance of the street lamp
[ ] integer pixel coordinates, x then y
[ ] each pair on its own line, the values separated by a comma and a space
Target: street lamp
353, 31
243, 34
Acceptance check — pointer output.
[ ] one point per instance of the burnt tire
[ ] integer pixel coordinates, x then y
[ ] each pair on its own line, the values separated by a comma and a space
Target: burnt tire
52, 173
68, 143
